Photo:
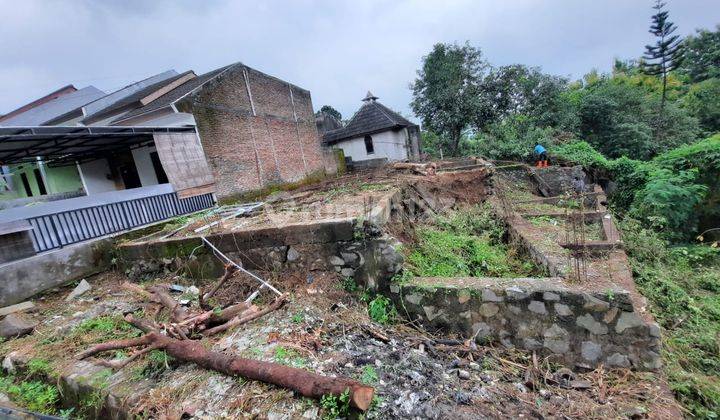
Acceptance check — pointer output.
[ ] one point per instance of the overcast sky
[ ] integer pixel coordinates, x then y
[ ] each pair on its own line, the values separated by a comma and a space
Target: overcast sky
336, 49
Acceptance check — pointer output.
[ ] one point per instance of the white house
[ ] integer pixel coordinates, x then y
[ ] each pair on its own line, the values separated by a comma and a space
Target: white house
376, 132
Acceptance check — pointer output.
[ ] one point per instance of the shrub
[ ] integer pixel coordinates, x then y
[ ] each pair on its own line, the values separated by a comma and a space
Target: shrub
33, 395
382, 310
580, 153
336, 406
682, 289
667, 202
369, 376
513, 138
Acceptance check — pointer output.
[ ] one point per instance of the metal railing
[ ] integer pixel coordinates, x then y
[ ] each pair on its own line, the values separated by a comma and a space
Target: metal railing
64, 228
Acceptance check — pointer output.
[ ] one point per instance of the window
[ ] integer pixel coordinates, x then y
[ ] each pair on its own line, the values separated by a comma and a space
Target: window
26, 184
40, 182
159, 171
369, 148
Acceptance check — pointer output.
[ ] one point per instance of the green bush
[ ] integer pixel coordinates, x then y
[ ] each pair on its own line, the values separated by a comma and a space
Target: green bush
682, 288
668, 201
580, 153
630, 176
382, 310
675, 193
335, 406
513, 138
33, 395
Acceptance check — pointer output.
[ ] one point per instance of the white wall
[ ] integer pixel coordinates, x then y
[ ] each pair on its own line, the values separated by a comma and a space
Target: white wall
387, 144
144, 165
95, 176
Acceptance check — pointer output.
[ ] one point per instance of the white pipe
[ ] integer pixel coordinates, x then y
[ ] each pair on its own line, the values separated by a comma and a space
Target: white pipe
265, 284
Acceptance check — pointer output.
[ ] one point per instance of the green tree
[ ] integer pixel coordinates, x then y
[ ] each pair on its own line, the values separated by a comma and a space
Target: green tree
703, 101
518, 89
702, 55
666, 55
327, 109
668, 202
445, 93
616, 116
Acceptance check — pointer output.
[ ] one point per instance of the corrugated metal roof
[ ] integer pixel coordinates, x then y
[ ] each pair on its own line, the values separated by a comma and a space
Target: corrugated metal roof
110, 99
59, 106
174, 95
72, 143
132, 98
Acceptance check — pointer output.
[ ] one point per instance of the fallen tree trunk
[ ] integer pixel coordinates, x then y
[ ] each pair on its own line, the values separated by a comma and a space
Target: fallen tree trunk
173, 337
305, 383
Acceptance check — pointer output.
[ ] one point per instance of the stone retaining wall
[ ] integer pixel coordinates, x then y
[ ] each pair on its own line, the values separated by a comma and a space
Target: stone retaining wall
572, 327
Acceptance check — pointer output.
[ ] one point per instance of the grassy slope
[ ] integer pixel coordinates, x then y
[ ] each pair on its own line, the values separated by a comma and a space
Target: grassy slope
682, 285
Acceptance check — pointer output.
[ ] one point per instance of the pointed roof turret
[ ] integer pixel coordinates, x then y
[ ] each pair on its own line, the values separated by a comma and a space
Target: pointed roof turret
372, 117
370, 97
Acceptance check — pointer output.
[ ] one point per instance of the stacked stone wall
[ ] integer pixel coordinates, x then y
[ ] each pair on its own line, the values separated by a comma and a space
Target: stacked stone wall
570, 326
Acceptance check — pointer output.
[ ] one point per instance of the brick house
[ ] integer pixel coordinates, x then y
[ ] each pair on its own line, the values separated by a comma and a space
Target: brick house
256, 129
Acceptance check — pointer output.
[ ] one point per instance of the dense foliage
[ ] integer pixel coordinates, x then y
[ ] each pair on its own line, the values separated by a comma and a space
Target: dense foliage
467, 106
327, 109
615, 124
702, 55
682, 284
677, 193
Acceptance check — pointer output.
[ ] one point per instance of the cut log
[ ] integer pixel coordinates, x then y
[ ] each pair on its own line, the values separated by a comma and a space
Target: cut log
177, 312
305, 383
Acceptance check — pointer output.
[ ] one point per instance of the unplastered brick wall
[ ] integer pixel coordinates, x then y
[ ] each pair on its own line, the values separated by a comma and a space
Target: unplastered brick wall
572, 327
256, 130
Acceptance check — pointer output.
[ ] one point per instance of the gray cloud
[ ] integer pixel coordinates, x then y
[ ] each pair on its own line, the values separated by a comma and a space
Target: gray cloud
336, 49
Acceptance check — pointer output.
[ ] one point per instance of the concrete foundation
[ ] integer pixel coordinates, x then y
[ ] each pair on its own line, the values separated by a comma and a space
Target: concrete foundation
24, 278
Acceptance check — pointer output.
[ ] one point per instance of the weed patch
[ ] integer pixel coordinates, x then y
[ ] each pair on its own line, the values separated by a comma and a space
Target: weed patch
32, 395
336, 406
683, 291
382, 310
368, 376
289, 357
39, 367
468, 242
158, 361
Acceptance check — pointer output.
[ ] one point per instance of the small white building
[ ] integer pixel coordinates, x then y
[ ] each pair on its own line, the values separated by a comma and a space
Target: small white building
376, 132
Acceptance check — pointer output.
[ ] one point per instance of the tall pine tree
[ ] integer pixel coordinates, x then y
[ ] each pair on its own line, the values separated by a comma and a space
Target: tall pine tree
667, 53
